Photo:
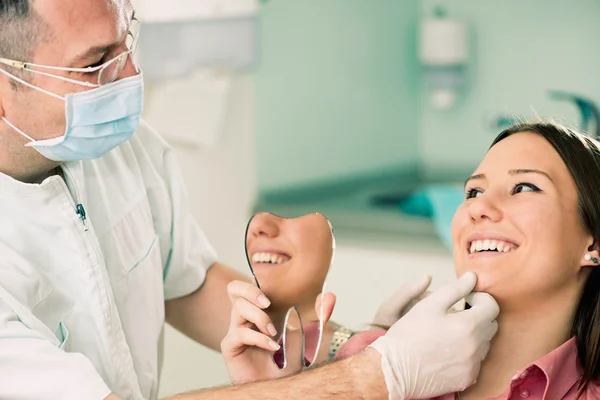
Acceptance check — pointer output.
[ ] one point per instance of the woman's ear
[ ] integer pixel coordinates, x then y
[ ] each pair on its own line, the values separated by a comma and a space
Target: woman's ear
592, 257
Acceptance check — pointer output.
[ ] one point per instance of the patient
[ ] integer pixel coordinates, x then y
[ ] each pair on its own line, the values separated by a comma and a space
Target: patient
530, 228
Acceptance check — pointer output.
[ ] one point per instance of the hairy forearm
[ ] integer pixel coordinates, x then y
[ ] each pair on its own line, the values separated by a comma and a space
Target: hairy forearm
355, 378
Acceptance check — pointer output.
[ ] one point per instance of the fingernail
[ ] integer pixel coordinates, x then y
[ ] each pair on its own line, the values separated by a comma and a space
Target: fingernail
271, 329
274, 345
263, 301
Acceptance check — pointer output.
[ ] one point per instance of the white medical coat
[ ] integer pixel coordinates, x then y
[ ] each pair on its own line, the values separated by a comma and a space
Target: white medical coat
82, 294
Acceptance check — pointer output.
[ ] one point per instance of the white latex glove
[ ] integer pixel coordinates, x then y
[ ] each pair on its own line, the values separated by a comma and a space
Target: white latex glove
402, 302
430, 352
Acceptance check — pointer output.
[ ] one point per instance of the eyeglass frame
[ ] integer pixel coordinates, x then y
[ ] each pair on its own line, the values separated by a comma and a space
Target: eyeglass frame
23, 65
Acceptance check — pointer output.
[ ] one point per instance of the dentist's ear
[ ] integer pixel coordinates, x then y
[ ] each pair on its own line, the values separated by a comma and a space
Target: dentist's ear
592, 257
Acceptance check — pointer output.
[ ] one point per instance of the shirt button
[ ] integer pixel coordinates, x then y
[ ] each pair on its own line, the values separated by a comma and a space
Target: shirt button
524, 393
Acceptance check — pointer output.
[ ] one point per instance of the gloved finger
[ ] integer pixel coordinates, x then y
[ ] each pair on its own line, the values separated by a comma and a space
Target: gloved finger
248, 291
492, 330
243, 312
327, 301
237, 341
449, 294
483, 306
394, 307
483, 350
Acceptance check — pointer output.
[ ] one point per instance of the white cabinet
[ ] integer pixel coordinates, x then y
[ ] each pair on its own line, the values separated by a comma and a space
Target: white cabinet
363, 277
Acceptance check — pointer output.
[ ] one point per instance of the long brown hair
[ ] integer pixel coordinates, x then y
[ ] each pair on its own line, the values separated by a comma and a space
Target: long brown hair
581, 155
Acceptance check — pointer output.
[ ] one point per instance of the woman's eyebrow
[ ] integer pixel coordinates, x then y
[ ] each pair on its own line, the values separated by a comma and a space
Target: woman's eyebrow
473, 177
529, 171
518, 171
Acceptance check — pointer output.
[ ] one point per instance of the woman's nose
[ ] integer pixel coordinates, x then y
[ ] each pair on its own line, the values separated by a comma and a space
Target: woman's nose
264, 224
484, 208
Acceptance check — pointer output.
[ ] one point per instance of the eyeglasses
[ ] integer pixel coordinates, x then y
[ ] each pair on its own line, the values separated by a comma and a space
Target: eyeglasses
107, 72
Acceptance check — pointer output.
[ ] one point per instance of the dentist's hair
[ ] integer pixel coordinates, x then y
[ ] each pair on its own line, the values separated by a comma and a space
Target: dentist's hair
581, 155
21, 29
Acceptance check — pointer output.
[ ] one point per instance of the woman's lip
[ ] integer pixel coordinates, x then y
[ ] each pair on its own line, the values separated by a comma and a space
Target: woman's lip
479, 254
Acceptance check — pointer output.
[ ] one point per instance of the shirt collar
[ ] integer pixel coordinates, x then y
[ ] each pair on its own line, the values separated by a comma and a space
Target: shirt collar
47, 188
561, 368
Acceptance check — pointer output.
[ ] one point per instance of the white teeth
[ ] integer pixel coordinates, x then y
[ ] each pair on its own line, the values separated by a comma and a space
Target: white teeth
268, 258
490, 244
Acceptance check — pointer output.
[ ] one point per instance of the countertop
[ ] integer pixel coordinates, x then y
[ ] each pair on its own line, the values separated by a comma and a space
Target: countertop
364, 209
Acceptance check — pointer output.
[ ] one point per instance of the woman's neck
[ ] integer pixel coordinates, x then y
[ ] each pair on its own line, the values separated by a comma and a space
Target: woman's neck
525, 334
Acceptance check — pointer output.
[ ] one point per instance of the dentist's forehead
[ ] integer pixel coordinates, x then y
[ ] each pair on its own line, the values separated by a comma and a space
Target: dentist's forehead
76, 26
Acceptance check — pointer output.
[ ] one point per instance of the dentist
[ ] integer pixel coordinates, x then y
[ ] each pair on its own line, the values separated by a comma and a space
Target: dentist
98, 247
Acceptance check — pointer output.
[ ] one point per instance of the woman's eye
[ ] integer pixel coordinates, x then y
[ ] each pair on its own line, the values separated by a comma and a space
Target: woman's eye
471, 193
525, 187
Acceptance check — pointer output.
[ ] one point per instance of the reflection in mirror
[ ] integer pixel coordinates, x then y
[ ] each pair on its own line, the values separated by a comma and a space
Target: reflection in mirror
290, 259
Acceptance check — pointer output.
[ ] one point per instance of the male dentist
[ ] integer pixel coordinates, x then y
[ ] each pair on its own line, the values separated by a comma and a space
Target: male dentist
98, 246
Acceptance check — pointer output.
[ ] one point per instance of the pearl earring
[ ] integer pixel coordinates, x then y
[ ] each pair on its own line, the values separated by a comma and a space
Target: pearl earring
589, 257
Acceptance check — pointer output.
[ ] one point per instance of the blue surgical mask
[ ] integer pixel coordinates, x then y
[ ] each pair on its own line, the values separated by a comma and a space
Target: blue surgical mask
97, 120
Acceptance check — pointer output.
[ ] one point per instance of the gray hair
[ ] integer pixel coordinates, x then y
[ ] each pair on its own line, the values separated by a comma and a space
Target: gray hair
21, 29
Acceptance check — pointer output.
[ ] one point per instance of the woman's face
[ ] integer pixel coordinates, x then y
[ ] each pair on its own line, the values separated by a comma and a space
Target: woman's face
519, 228
290, 257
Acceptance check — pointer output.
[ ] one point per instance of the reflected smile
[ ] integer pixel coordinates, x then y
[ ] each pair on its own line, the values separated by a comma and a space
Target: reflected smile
269, 258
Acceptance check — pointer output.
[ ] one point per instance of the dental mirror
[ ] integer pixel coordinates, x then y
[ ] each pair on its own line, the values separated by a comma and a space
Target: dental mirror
290, 259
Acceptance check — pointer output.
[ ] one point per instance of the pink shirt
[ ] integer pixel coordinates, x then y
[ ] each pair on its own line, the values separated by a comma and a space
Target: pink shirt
553, 377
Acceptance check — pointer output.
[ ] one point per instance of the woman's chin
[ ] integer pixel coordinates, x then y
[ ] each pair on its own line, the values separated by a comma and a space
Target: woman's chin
486, 281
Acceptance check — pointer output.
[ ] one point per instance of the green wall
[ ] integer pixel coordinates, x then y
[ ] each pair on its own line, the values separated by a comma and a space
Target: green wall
521, 49
336, 89
340, 92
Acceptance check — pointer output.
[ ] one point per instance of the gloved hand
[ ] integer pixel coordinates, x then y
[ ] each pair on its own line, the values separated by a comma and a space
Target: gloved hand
401, 302
430, 352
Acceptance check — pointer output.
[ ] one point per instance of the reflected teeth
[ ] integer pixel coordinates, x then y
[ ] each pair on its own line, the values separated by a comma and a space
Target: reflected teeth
490, 244
270, 258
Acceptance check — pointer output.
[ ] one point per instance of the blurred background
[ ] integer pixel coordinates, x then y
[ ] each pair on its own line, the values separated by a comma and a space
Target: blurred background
370, 112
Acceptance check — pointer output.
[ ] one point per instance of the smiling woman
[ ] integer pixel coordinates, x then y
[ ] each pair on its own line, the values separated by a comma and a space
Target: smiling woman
530, 228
